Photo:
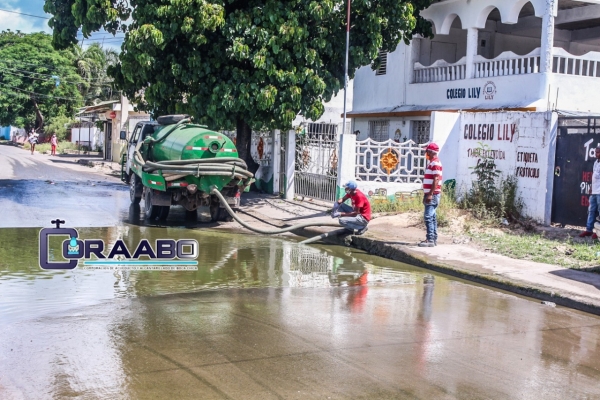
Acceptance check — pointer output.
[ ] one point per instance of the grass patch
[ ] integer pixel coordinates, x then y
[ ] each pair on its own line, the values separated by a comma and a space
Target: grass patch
414, 203
536, 247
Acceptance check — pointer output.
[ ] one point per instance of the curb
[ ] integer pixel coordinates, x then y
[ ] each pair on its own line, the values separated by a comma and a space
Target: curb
404, 254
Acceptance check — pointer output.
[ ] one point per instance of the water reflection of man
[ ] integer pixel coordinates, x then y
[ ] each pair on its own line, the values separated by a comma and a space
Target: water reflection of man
357, 217
424, 326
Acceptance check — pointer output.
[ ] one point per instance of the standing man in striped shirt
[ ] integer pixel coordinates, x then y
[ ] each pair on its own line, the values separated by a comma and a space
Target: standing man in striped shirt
432, 187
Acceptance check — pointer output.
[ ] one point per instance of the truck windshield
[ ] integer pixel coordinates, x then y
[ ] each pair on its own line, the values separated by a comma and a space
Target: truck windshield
148, 130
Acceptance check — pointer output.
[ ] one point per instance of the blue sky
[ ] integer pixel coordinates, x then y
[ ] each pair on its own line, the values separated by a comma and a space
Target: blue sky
28, 24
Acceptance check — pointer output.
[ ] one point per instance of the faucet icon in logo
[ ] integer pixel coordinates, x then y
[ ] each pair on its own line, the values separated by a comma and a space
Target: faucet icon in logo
71, 248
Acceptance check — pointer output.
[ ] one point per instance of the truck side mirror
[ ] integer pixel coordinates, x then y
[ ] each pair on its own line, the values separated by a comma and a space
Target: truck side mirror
123, 135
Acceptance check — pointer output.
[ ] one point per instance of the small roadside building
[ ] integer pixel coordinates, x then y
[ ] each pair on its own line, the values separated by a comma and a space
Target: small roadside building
113, 121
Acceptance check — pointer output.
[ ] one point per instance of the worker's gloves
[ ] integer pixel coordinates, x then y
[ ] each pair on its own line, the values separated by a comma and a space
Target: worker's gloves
336, 214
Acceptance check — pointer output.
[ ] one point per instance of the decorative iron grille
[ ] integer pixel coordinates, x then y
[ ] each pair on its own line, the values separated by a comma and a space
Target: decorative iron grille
262, 147
389, 161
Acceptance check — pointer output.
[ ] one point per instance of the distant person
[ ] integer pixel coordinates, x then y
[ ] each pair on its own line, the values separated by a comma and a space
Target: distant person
432, 189
54, 144
357, 217
33, 139
594, 199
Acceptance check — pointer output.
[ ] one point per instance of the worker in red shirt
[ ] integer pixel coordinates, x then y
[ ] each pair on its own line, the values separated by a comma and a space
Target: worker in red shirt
357, 217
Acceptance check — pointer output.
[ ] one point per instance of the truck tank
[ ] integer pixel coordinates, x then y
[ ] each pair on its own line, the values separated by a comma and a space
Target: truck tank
193, 154
188, 142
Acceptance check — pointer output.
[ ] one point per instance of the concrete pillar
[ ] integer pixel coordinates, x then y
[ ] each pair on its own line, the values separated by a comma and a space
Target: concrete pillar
290, 168
276, 159
548, 37
117, 144
414, 51
546, 53
346, 161
472, 37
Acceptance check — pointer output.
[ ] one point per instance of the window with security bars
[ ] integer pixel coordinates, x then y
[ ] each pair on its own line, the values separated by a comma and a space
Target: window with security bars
379, 131
382, 70
421, 131
323, 131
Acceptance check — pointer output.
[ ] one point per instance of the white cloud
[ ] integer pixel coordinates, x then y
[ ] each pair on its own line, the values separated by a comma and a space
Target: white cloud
22, 23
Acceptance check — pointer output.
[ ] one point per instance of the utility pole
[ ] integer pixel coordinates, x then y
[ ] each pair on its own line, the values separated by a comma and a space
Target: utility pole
346, 65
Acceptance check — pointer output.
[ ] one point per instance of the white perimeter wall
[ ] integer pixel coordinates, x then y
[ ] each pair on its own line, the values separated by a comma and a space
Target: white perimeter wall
445, 131
523, 145
92, 135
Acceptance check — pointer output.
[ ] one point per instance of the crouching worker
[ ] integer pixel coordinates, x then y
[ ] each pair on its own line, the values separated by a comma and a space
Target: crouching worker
357, 217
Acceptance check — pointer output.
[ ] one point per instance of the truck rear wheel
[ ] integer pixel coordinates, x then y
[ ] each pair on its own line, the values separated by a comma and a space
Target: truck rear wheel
135, 188
214, 208
151, 211
224, 215
164, 212
191, 215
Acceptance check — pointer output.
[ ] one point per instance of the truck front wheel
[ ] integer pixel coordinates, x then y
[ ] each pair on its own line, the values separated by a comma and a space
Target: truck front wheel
135, 189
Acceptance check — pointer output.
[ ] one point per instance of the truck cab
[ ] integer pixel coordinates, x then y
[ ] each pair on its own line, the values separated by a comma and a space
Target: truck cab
140, 132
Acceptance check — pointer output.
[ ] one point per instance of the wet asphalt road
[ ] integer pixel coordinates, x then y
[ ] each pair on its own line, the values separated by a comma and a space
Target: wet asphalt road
34, 189
261, 318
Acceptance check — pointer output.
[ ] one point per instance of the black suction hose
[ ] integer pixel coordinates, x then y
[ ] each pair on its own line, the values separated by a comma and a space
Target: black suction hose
216, 192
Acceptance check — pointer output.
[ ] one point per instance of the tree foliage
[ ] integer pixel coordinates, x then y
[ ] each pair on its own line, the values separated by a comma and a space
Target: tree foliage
35, 80
250, 64
92, 63
58, 125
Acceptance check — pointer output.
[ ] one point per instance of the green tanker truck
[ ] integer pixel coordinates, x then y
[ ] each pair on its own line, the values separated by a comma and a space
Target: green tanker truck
174, 162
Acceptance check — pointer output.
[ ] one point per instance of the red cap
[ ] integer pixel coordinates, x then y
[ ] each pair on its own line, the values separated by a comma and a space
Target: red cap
433, 147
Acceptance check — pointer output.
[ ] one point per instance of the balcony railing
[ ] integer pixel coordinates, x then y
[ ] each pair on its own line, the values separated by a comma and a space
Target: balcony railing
440, 71
566, 63
509, 63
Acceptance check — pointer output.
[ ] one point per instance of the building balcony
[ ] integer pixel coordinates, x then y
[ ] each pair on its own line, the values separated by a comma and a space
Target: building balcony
509, 63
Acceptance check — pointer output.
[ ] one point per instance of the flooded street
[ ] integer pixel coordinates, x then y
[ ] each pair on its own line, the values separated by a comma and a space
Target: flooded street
267, 318
261, 317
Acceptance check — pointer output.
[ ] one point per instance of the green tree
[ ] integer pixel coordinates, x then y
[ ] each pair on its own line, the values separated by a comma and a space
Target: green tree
91, 64
245, 64
59, 125
36, 81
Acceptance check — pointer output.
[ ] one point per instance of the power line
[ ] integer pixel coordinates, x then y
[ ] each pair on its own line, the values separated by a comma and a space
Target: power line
20, 13
42, 74
39, 94
48, 79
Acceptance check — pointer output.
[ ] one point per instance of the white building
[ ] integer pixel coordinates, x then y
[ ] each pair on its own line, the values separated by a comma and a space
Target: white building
502, 74
507, 55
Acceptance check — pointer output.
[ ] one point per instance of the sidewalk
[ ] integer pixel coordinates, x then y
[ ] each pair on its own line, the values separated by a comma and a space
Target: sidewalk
388, 237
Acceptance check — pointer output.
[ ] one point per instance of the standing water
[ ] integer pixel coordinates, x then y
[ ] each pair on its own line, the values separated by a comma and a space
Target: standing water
265, 317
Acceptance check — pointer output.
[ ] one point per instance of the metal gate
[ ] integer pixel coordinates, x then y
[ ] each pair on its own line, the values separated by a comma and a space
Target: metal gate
108, 141
317, 149
577, 138
283, 164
